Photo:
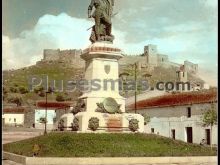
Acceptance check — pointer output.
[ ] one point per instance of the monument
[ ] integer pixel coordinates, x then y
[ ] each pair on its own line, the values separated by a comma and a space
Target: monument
104, 107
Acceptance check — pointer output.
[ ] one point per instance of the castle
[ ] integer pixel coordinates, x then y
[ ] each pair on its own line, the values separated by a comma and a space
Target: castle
63, 56
149, 59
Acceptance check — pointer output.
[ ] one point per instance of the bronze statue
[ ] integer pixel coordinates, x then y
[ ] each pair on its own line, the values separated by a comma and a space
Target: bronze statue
102, 29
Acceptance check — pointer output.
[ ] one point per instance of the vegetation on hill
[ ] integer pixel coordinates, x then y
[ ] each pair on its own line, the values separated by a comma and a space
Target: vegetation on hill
106, 145
16, 81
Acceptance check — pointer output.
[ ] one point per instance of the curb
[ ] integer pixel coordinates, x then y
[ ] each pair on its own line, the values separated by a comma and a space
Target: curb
104, 160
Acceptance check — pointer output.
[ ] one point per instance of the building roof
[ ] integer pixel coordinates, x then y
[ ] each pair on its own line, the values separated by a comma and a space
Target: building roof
14, 110
53, 105
177, 99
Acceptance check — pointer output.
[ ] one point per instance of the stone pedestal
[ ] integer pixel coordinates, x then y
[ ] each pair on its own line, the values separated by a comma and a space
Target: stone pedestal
102, 67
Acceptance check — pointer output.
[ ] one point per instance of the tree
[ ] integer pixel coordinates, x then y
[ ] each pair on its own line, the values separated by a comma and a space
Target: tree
38, 89
16, 99
42, 120
13, 90
146, 119
41, 94
210, 119
23, 90
60, 98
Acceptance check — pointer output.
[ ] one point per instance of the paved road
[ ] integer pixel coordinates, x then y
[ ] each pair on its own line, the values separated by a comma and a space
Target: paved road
8, 137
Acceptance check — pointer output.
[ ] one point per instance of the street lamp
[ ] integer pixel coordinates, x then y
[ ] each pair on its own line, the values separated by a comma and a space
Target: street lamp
124, 75
45, 123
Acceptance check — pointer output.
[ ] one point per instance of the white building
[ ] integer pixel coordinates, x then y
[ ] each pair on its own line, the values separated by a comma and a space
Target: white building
54, 111
13, 116
178, 116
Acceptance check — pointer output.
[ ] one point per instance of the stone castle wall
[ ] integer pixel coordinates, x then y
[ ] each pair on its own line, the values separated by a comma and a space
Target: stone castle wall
66, 56
191, 67
150, 59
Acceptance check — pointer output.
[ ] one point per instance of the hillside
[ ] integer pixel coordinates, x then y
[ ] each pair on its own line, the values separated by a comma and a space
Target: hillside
13, 80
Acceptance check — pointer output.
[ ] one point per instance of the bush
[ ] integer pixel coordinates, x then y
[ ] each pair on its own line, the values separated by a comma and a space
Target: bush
61, 125
60, 98
23, 90
75, 124
42, 94
13, 90
133, 125
38, 89
146, 119
93, 123
16, 99
42, 120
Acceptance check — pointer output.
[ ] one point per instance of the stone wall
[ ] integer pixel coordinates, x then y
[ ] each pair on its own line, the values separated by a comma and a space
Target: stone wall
191, 67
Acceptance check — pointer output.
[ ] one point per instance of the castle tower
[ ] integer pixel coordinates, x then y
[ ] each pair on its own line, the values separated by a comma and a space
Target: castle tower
150, 51
182, 74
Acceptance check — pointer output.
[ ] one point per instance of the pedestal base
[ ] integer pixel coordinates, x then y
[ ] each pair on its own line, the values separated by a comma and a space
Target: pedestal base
108, 123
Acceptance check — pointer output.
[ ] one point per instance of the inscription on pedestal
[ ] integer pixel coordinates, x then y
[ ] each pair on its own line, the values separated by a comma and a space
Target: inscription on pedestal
114, 125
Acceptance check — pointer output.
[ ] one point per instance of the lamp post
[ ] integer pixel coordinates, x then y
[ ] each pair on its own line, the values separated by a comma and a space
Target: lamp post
45, 124
124, 75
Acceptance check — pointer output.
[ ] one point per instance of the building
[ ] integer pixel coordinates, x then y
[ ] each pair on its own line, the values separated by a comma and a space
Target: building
178, 116
63, 56
54, 111
13, 116
191, 67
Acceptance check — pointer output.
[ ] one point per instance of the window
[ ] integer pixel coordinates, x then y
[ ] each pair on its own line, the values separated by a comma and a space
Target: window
189, 112
152, 130
15, 120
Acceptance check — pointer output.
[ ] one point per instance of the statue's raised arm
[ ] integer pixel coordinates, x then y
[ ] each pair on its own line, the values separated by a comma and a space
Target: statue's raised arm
102, 15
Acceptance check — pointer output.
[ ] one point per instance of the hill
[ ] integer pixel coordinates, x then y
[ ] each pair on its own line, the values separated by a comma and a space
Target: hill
13, 80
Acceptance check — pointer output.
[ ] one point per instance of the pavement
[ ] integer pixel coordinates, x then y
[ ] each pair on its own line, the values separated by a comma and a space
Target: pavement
7, 162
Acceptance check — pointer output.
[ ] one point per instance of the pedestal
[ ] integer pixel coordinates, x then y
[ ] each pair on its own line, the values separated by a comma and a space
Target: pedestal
105, 102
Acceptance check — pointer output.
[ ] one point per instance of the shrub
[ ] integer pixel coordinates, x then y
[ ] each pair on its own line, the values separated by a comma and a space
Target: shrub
75, 124
133, 125
60, 98
94, 123
38, 89
41, 94
42, 120
13, 90
23, 90
16, 99
146, 119
61, 125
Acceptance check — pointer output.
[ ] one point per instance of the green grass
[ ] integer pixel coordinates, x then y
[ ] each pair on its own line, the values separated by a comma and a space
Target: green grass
106, 145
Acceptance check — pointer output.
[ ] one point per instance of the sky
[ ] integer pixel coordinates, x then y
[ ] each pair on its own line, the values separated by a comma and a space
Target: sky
182, 29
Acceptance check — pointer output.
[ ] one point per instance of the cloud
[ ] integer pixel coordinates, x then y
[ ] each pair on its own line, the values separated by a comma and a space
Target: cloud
191, 40
50, 32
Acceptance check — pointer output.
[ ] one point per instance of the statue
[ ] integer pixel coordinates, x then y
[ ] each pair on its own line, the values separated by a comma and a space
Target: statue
102, 15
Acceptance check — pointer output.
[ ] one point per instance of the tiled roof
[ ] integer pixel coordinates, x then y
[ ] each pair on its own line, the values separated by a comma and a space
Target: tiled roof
177, 99
56, 105
15, 110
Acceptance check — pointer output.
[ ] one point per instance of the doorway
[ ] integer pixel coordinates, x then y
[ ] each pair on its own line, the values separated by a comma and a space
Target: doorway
173, 134
208, 136
189, 134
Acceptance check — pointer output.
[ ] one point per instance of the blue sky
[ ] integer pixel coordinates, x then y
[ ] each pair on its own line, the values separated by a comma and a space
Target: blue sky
182, 29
